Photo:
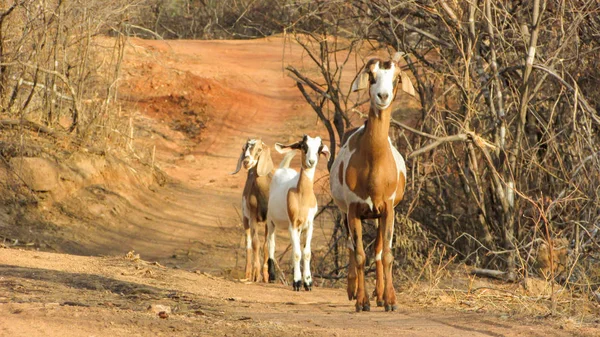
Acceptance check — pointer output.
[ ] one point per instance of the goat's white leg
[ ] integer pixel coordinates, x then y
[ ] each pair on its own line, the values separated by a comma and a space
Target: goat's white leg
271, 240
296, 256
248, 248
306, 254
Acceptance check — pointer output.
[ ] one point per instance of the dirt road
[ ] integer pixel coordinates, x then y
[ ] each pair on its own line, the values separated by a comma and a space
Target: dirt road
65, 295
188, 232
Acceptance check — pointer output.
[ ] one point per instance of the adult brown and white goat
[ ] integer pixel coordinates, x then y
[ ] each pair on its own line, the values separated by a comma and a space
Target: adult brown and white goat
256, 158
292, 202
367, 180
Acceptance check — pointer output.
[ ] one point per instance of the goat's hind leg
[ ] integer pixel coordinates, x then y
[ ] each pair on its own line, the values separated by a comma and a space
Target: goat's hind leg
352, 285
389, 293
355, 224
248, 232
270, 238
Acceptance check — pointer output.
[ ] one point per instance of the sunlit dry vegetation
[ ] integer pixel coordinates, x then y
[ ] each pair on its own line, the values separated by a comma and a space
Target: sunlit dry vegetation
503, 153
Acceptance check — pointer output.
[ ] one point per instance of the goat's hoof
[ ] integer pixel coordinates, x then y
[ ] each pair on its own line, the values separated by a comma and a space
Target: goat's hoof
297, 285
351, 296
391, 307
308, 286
380, 303
364, 307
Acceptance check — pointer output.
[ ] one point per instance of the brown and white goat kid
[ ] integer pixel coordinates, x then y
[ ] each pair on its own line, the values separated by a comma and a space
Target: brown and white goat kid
292, 203
256, 158
367, 180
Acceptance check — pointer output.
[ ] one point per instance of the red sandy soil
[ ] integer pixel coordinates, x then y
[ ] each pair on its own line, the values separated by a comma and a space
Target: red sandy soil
194, 103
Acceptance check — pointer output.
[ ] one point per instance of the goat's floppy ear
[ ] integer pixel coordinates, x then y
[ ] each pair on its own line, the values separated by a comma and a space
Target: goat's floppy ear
361, 81
265, 163
397, 56
407, 85
325, 151
239, 164
281, 148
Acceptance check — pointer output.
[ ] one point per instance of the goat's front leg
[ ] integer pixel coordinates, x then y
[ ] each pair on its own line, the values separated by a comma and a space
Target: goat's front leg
352, 285
255, 252
387, 222
379, 277
265, 269
306, 254
296, 255
362, 298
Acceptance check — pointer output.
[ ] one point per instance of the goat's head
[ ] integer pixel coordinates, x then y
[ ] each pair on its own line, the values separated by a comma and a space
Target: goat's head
255, 153
310, 147
382, 78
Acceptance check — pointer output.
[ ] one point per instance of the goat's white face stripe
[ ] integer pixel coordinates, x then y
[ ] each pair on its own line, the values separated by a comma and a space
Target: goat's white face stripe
382, 91
248, 153
312, 151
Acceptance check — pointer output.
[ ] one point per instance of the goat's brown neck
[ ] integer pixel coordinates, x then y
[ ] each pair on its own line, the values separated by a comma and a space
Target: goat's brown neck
376, 131
261, 183
305, 181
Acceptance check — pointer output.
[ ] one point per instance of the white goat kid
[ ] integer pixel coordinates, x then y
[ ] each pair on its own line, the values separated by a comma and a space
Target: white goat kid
292, 203
256, 158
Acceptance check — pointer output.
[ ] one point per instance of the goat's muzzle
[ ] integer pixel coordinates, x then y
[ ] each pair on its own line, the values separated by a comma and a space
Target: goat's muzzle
248, 163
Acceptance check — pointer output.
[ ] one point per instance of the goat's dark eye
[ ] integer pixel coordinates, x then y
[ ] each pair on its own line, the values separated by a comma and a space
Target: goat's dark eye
372, 78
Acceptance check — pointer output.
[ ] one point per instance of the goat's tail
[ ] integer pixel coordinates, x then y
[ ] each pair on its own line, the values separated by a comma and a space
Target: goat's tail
287, 159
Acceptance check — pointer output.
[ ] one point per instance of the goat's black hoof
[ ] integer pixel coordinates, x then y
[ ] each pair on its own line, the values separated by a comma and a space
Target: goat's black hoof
297, 285
391, 307
308, 283
365, 307
271, 266
380, 303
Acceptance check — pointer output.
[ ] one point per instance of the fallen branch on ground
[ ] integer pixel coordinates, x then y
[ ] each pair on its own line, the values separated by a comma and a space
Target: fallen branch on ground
27, 124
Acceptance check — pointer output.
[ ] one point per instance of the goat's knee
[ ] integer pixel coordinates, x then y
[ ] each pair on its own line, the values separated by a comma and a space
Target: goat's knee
297, 257
360, 259
388, 258
307, 254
